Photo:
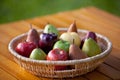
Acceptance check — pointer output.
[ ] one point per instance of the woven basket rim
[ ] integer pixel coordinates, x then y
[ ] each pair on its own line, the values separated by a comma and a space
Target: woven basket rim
69, 62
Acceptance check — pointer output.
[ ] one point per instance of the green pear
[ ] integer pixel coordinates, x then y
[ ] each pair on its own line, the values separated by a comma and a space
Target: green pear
38, 54
91, 48
51, 29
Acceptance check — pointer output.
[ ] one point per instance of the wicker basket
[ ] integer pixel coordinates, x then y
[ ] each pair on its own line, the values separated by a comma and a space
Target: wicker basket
43, 68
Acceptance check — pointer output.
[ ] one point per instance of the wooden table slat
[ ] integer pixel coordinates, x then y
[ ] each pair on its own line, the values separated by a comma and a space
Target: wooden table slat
87, 18
109, 71
97, 76
6, 76
113, 62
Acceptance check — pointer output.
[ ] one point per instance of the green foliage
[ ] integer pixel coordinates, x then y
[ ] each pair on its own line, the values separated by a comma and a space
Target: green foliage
11, 10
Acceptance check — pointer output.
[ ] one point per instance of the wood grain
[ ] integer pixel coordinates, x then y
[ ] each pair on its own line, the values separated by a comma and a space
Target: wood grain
89, 18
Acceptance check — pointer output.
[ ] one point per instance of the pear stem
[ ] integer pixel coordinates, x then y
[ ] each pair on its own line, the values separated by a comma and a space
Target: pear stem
47, 23
74, 22
31, 26
73, 41
48, 29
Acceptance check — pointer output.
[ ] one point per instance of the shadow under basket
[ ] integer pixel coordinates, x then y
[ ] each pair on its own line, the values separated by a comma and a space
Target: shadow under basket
44, 68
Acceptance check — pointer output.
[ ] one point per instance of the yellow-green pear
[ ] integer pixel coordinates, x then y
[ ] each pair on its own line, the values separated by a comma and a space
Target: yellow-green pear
69, 36
90, 47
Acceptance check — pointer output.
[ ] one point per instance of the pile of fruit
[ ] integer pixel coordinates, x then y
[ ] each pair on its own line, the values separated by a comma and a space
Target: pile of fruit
53, 46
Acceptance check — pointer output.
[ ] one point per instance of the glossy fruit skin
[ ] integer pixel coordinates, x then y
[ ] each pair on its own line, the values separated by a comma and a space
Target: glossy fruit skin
51, 29
58, 55
38, 54
72, 27
33, 36
90, 47
25, 48
88, 35
64, 45
69, 36
76, 53
47, 41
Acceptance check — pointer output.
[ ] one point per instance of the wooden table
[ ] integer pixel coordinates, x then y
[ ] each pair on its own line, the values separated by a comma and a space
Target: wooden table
89, 18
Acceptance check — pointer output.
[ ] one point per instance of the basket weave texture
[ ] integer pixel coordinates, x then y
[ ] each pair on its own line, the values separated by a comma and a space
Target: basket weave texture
44, 68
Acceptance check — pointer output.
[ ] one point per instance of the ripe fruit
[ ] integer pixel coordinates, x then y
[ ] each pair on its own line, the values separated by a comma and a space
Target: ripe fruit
72, 27
91, 35
25, 48
75, 52
69, 36
58, 55
88, 35
47, 41
38, 54
51, 29
33, 36
91, 48
64, 45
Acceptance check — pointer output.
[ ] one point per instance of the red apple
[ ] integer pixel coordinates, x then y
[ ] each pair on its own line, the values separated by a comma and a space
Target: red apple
25, 48
58, 55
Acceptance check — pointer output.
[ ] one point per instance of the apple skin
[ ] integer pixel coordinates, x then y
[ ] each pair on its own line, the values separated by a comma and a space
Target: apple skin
64, 45
58, 55
69, 36
25, 48
38, 54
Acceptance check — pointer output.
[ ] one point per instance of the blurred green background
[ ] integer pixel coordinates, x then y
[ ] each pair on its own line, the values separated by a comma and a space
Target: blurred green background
13, 10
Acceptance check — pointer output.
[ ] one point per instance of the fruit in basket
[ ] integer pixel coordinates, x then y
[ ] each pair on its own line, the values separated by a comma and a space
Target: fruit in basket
72, 27
33, 36
25, 48
90, 47
58, 55
47, 41
69, 36
64, 45
91, 35
88, 35
51, 29
38, 54
75, 52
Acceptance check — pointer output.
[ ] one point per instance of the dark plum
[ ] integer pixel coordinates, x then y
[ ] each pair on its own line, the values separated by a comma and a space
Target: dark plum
47, 41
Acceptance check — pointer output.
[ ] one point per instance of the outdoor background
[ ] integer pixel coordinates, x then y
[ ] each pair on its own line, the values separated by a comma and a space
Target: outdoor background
13, 10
